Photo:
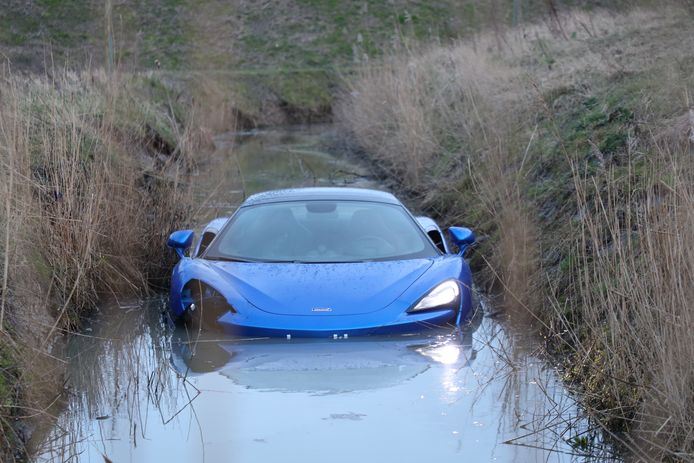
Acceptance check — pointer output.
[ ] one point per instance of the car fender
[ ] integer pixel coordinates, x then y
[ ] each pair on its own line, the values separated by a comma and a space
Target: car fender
189, 269
444, 268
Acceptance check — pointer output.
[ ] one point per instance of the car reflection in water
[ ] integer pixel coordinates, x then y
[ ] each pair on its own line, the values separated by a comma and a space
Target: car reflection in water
323, 367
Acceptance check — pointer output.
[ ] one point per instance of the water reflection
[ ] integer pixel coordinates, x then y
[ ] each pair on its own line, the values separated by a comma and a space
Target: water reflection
268, 159
316, 366
140, 391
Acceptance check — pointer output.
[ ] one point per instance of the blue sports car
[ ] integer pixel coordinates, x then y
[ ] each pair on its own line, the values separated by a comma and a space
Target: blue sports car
321, 262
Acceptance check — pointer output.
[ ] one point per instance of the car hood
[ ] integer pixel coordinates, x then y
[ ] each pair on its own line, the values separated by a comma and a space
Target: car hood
323, 289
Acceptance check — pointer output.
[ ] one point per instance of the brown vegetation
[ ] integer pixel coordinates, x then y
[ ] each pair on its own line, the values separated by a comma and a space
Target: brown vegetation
93, 180
562, 144
635, 272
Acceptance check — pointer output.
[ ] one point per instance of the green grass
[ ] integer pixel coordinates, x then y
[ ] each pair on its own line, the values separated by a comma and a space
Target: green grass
591, 129
65, 25
309, 37
329, 34
15, 30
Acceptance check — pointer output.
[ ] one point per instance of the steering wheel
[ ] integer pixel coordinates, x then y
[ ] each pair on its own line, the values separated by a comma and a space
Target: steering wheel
372, 242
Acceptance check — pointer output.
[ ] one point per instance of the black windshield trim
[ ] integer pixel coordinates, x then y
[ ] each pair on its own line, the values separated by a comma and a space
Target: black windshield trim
318, 262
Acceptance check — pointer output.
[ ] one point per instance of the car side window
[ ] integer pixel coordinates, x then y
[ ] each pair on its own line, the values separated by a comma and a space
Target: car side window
205, 241
436, 237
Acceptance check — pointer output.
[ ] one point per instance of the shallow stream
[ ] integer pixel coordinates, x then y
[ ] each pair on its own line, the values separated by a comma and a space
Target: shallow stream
141, 390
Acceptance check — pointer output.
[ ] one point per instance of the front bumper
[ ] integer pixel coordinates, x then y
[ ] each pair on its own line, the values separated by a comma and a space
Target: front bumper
331, 326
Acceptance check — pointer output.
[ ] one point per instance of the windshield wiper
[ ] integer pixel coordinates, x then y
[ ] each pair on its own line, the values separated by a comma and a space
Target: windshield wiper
238, 259
229, 259
327, 261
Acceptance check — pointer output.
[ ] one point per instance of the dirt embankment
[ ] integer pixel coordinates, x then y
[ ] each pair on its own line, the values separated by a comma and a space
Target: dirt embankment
567, 146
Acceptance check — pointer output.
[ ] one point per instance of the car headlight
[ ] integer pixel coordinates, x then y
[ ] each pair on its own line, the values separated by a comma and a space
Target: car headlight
445, 294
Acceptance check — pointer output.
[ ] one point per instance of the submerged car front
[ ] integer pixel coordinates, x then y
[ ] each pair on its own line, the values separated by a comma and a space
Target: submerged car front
322, 266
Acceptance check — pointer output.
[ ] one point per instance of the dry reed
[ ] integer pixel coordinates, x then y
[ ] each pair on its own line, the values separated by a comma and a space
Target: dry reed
94, 178
470, 129
635, 271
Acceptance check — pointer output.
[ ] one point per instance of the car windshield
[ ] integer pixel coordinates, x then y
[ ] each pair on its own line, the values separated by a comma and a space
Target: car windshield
321, 232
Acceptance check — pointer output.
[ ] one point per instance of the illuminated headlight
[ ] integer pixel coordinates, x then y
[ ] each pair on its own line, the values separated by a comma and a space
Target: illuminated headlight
445, 294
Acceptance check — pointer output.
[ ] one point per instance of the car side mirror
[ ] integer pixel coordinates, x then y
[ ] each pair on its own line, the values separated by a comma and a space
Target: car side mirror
462, 237
180, 241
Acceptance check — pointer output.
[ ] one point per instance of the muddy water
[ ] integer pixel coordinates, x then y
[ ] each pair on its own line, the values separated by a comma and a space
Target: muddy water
142, 390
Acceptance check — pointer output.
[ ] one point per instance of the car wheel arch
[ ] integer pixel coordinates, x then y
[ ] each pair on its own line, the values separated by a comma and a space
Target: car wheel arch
203, 303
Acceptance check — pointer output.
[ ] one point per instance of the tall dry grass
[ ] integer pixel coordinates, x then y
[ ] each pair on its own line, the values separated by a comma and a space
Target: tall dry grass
441, 116
414, 108
636, 277
483, 134
89, 201
94, 177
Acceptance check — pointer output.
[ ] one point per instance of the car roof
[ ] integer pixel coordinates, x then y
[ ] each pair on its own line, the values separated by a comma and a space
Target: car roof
321, 193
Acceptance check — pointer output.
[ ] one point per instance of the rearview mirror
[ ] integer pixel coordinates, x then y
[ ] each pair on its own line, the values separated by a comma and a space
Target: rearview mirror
462, 237
180, 241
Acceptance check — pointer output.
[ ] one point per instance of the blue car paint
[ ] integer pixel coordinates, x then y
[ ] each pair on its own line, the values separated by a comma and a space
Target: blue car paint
276, 299
180, 241
462, 235
295, 289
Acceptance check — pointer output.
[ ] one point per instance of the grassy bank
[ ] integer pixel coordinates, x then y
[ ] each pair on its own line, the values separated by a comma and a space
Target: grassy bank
567, 147
276, 62
93, 180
